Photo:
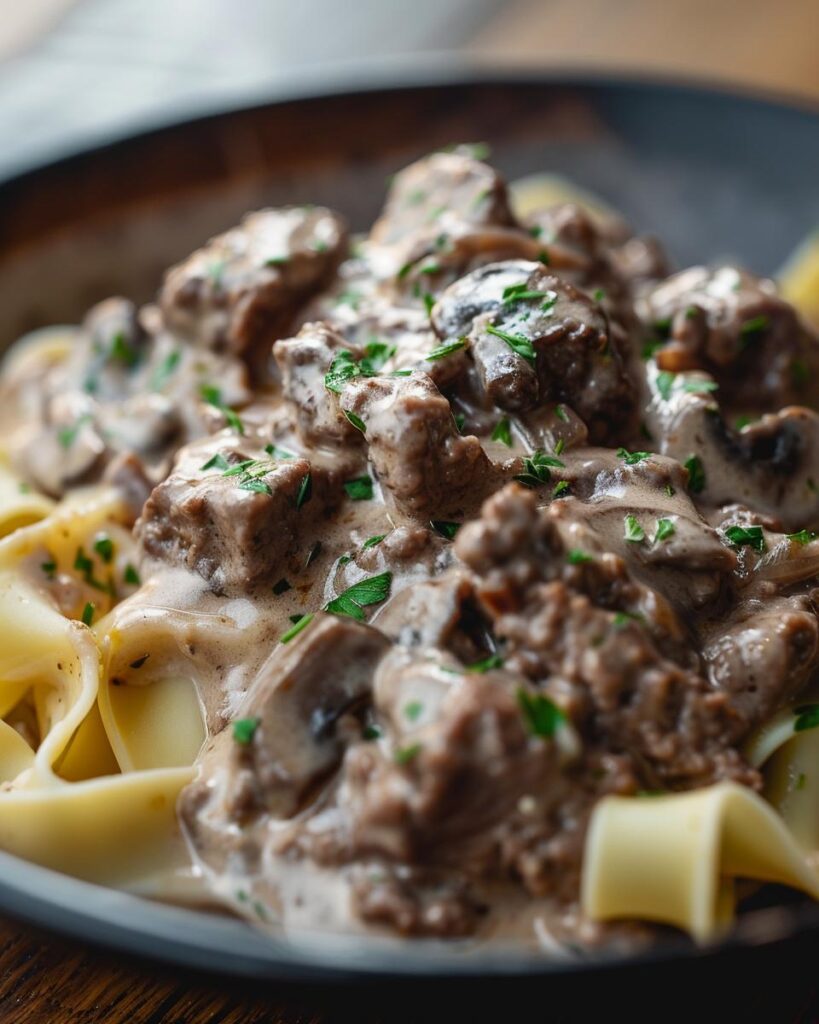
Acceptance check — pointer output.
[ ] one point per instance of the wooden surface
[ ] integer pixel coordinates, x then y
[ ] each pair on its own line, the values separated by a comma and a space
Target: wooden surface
52, 92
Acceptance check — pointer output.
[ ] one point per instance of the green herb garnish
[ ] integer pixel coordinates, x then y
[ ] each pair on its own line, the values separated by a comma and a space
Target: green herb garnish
746, 536
537, 469
213, 396
665, 529
405, 754
446, 529
244, 729
634, 533
302, 621
88, 613
542, 716
165, 369
360, 595
802, 536
104, 547
577, 557
632, 458
486, 664
807, 717
696, 474
131, 576
356, 421
445, 350
522, 346
360, 488
503, 432
305, 491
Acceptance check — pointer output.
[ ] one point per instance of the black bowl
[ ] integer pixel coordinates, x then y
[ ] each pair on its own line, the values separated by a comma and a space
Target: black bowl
713, 174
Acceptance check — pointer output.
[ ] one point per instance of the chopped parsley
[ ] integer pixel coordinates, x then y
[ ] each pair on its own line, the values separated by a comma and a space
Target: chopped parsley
217, 461
405, 754
165, 369
542, 716
413, 710
429, 302
213, 396
598, 295
623, 618
302, 622
49, 568
131, 576
350, 297
104, 547
486, 664
802, 536
360, 488
665, 382
503, 432
537, 469
807, 717
746, 536
371, 542
460, 421
578, 557
356, 421
634, 533
123, 351
275, 452
699, 387
665, 529
354, 599
372, 732
560, 412
632, 458
305, 491
521, 293
445, 528
560, 488
87, 616
68, 435
651, 348
85, 565
696, 474
742, 421
445, 350
244, 729
522, 346
561, 444
343, 368
754, 326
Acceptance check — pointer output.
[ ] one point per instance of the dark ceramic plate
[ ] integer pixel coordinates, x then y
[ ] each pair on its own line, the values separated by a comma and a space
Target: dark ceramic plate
713, 174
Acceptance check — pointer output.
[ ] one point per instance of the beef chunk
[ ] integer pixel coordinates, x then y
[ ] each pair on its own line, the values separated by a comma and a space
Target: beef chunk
734, 326
763, 653
233, 518
536, 338
303, 362
574, 623
439, 189
428, 469
243, 286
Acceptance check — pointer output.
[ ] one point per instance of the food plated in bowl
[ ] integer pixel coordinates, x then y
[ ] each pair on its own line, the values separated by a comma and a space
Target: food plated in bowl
518, 146
452, 581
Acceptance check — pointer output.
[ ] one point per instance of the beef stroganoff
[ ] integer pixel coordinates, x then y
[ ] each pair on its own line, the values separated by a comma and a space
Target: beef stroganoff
457, 581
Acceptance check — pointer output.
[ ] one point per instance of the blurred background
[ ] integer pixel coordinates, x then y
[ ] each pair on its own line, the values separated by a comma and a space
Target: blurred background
73, 70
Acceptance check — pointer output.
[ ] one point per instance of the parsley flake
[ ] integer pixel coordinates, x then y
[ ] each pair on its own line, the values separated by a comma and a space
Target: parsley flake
634, 533
746, 536
542, 716
302, 622
360, 488
522, 346
665, 529
354, 599
503, 432
244, 729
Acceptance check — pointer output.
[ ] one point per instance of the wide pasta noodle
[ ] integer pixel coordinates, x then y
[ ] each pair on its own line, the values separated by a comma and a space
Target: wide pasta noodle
72, 804
673, 859
789, 758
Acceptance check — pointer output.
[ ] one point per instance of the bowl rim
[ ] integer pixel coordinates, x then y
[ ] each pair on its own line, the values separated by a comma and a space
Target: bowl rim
396, 75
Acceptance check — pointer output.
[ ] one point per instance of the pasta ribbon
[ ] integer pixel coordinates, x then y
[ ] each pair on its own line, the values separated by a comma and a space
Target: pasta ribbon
672, 859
